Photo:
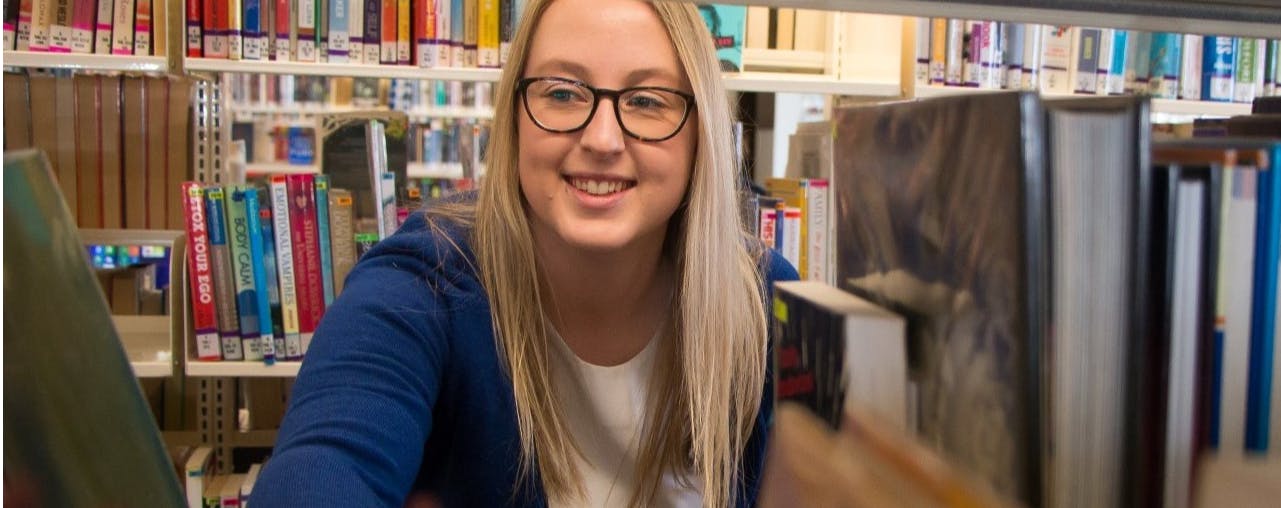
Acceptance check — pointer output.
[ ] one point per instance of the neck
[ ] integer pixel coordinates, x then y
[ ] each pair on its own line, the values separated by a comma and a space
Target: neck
606, 306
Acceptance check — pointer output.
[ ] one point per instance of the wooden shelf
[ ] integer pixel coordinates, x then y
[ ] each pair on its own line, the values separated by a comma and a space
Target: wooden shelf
333, 69
242, 369
1246, 18
1162, 106
84, 62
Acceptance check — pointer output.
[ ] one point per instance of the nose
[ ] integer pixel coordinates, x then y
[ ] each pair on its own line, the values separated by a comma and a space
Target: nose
603, 134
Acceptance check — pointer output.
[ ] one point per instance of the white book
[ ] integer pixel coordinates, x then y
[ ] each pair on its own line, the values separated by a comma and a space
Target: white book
306, 31
356, 29
339, 31
818, 227
954, 66
1013, 35
1033, 39
444, 51
122, 28
60, 27
41, 19
197, 475
1190, 68
1107, 37
792, 235
921, 68
285, 267
1235, 294
1056, 59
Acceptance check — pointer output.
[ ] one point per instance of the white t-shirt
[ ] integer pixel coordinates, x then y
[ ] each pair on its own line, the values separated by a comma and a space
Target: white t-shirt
606, 410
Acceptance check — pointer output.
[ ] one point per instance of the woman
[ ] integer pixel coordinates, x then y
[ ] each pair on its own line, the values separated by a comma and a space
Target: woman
590, 330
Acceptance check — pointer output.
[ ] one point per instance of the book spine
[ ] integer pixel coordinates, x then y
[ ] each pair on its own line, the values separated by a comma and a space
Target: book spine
507, 31
1107, 37
487, 34
339, 30
387, 32
816, 215
224, 287
1087, 60
342, 235
322, 30
302, 225
1138, 53
204, 315
954, 63
10, 24
271, 282
471, 25
769, 226
990, 56
122, 29
403, 34
41, 19
1120, 60
938, 50
1261, 53
323, 238
258, 262
356, 31
444, 48
253, 28
60, 27
23, 42
373, 31
1166, 56
1272, 73
1014, 36
1243, 87
285, 265
233, 30
1033, 44
424, 34
457, 25
284, 17
306, 31
218, 26
1263, 313
142, 28
83, 16
195, 36
1190, 68
971, 48
242, 268
1056, 59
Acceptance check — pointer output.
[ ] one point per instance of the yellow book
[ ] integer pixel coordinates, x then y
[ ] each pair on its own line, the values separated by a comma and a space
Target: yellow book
487, 33
793, 193
402, 32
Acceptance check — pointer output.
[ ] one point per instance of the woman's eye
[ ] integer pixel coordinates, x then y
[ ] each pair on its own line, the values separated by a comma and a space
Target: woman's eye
564, 95
645, 102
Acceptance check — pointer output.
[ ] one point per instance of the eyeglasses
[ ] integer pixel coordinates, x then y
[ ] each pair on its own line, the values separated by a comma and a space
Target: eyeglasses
647, 113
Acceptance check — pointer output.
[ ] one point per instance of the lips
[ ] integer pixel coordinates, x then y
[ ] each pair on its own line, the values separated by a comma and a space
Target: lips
599, 186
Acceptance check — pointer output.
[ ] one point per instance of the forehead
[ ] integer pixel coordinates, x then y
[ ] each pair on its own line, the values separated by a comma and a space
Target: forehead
609, 43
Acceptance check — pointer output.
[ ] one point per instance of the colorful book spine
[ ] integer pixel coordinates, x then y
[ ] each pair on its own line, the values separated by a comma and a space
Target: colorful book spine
1056, 59
204, 314
387, 32
258, 261
487, 34
224, 287
1166, 57
1190, 68
195, 37
285, 265
1138, 53
1120, 55
242, 268
425, 34
990, 71
23, 42
306, 250
938, 50
342, 232
356, 31
323, 238
306, 31
284, 24
1014, 36
444, 49
1272, 69
457, 26
217, 24
233, 30
403, 50
471, 25
11, 8
60, 27
271, 281
1263, 313
1218, 68
972, 41
339, 31
82, 25
142, 27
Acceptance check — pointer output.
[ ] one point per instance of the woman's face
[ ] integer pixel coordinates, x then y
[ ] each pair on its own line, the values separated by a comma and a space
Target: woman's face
598, 189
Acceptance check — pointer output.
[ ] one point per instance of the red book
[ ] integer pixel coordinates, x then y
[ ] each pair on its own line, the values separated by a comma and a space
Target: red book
388, 46
284, 53
195, 39
203, 313
304, 234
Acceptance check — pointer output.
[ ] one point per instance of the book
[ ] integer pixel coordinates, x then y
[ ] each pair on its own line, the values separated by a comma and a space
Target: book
342, 239
833, 348
323, 238
200, 270
142, 28
262, 258
285, 265
306, 255
194, 32
223, 276
17, 109
727, 24
68, 370
270, 287
109, 116
1166, 57
197, 474
242, 269
88, 151
134, 146
64, 155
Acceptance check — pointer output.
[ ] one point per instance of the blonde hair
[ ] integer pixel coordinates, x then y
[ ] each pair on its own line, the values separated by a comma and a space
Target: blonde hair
716, 356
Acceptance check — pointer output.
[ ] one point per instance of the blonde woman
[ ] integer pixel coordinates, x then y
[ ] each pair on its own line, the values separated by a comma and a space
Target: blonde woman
589, 330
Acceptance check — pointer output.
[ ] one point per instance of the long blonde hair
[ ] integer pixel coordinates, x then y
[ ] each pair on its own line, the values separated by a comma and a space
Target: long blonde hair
716, 355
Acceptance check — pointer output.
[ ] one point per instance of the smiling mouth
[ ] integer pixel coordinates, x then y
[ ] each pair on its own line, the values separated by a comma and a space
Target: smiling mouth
596, 187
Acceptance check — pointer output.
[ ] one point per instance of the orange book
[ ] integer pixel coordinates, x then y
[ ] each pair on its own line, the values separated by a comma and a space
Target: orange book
17, 112
134, 147
109, 123
88, 152
387, 48
157, 96
65, 126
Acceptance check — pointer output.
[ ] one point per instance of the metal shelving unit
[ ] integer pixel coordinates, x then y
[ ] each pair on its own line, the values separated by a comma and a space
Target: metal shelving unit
85, 62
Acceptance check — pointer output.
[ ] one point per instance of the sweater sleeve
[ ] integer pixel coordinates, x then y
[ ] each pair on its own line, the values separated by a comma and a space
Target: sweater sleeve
360, 411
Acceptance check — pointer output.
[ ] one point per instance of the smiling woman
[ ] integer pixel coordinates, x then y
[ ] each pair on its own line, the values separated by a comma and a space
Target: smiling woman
589, 329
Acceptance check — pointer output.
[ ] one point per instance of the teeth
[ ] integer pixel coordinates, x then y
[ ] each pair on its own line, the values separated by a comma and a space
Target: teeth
597, 187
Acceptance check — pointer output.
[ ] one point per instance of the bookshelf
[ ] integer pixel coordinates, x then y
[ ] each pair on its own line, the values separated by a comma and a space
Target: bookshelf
242, 369
1164, 106
85, 62
281, 168
340, 70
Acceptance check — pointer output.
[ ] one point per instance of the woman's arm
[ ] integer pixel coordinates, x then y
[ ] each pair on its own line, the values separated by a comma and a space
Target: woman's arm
360, 411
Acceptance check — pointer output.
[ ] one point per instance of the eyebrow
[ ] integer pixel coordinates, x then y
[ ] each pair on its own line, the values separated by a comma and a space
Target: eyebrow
581, 71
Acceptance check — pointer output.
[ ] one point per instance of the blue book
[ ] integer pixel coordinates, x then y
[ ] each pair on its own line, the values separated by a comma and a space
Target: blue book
267, 227
1263, 311
1218, 63
1116, 74
242, 266
1166, 57
339, 31
321, 184
727, 23
373, 30
265, 330
252, 30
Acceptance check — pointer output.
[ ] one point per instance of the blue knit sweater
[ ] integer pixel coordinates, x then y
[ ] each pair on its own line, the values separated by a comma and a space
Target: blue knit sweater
402, 391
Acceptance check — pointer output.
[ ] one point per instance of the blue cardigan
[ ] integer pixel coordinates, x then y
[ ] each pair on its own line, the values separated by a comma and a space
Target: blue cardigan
402, 390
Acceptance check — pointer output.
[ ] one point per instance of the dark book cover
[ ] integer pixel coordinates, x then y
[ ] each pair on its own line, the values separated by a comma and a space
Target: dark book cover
346, 158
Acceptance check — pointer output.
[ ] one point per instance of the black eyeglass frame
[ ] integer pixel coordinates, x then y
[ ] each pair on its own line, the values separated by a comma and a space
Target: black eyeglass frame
522, 87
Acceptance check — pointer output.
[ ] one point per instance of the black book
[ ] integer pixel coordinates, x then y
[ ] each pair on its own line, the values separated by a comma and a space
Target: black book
346, 157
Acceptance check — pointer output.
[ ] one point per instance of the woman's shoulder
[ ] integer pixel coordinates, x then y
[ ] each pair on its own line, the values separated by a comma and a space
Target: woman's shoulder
772, 265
